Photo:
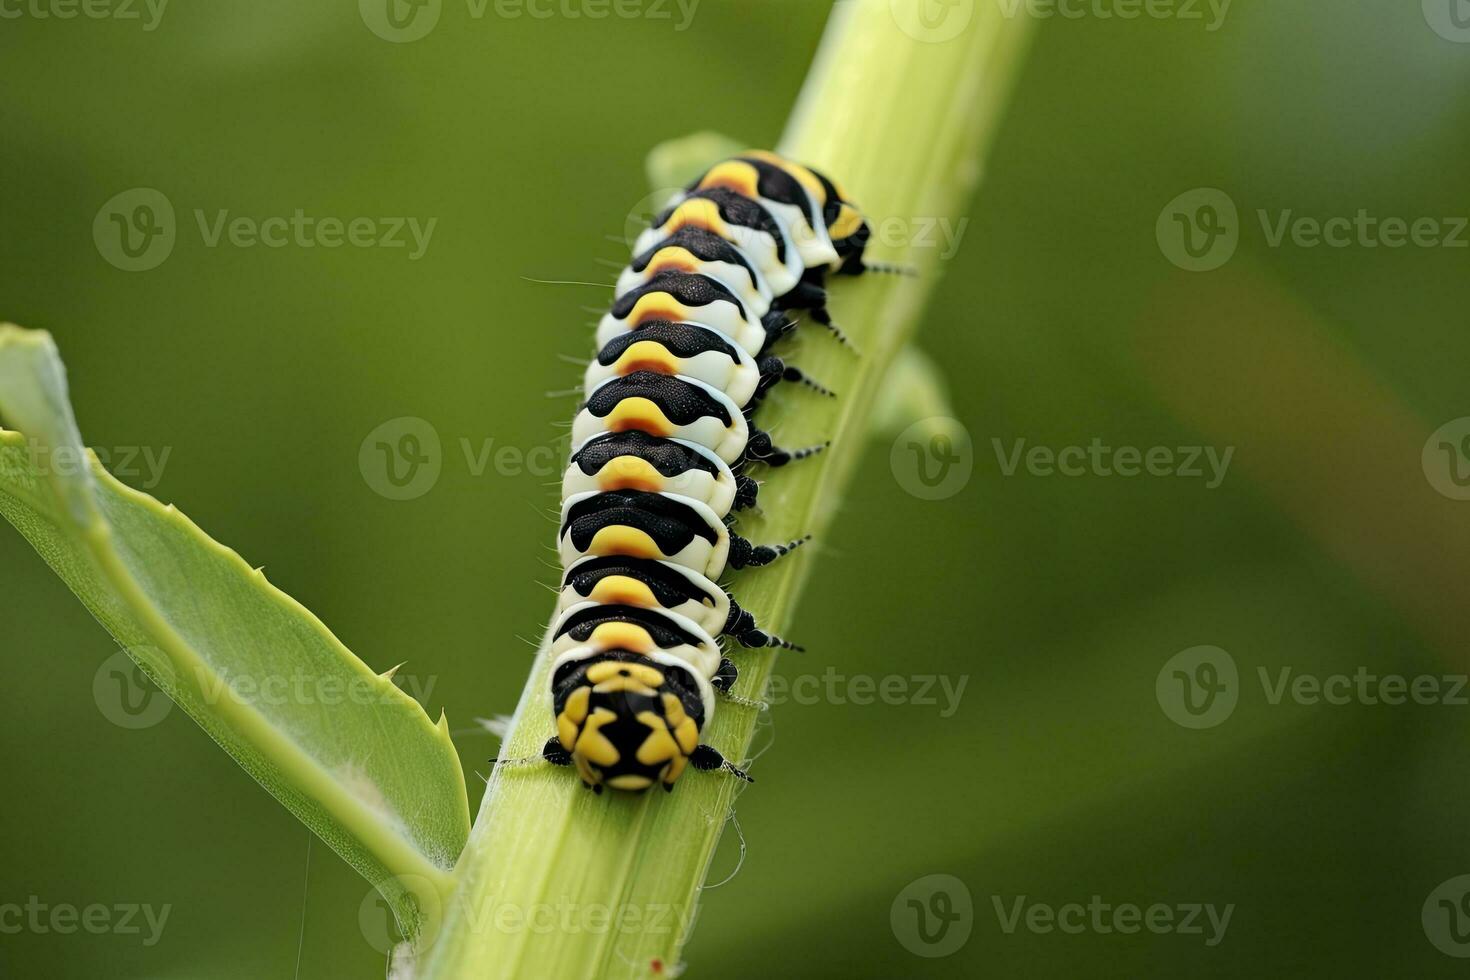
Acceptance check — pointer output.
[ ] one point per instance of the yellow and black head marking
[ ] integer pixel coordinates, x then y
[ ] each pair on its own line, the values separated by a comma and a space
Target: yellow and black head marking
779, 187
660, 450
829, 206
829, 230
627, 721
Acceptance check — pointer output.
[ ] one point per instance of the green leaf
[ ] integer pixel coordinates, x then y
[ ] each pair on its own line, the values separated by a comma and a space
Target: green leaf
914, 391
347, 751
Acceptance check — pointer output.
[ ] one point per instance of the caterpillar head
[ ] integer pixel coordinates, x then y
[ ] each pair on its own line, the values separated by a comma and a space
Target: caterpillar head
626, 721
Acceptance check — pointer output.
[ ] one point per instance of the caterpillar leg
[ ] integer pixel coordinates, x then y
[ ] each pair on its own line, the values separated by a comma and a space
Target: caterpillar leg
773, 369
820, 314
553, 752
760, 448
777, 326
746, 489
811, 295
724, 682
891, 269
743, 554
706, 758
742, 628
725, 676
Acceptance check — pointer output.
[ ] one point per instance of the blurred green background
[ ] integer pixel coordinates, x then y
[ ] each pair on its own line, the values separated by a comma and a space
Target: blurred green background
1326, 548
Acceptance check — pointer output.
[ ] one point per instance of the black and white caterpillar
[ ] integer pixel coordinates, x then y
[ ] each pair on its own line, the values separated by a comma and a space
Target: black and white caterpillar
659, 450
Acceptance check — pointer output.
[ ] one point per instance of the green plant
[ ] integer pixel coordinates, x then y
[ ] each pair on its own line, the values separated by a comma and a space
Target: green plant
904, 121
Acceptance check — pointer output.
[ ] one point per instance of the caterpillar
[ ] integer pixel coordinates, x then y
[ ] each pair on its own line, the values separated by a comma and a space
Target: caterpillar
660, 445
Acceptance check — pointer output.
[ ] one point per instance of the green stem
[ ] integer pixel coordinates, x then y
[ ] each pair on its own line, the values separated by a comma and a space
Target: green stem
557, 882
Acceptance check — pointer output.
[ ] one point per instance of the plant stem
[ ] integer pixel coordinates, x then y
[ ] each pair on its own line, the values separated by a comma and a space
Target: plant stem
557, 882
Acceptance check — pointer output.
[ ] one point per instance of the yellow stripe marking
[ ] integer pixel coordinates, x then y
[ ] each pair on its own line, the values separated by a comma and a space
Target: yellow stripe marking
622, 636
657, 306
697, 213
620, 590
738, 176
672, 257
630, 473
641, 414
647, 355
619, 540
